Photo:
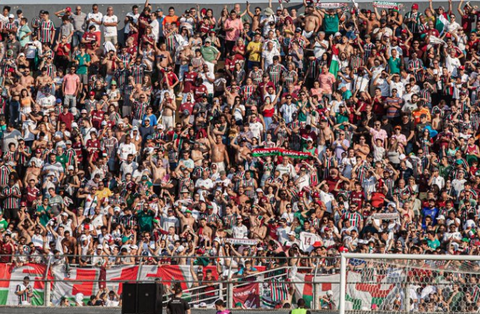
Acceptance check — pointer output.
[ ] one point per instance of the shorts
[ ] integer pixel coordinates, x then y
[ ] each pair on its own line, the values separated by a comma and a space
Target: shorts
83, 78
307, 35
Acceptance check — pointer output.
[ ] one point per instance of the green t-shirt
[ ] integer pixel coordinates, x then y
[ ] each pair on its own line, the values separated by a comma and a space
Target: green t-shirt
63, 160
3, 225
82, 60
43, 213
209, 53
394, 65
331, 22
145, 220
22, 31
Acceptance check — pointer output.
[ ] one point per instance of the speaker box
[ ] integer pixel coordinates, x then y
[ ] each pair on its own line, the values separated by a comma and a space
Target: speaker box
142, 298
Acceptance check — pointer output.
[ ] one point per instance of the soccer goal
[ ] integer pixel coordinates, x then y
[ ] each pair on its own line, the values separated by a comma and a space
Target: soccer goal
399, 283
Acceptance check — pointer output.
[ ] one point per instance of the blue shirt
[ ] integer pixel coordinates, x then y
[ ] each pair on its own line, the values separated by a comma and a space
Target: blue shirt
432, 212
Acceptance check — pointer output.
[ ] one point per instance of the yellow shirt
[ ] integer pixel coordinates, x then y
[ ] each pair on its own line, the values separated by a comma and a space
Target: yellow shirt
103, 194
254, 51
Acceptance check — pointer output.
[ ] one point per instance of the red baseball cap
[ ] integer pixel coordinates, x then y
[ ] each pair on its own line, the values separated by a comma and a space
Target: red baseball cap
415, 6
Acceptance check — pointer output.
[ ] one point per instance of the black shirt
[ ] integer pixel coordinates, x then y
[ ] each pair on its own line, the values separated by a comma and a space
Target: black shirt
177, 306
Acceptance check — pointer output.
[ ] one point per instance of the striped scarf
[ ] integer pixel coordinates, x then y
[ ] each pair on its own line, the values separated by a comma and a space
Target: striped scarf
278, 291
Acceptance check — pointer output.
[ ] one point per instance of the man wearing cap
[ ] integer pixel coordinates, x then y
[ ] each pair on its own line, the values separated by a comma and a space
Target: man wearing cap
210, 54
412, 19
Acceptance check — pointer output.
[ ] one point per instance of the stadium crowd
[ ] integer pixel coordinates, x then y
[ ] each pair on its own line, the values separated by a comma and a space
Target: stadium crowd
173, 137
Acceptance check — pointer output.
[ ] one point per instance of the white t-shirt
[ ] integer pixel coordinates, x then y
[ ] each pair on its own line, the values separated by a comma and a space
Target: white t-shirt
257, 129
110, 31
135, 20
97, 17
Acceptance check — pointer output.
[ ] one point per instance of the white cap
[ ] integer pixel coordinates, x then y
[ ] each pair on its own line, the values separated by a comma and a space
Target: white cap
11, 16
402, 156
83, 237
71, 167
134, 247
441, 217
100, 247
65, 214
116, 209
291, 233
329, 293
259, 190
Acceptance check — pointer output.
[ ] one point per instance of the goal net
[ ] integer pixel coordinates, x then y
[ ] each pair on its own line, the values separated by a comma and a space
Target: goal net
409, 283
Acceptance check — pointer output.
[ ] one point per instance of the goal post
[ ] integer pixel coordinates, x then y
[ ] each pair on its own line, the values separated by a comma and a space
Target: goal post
402, 283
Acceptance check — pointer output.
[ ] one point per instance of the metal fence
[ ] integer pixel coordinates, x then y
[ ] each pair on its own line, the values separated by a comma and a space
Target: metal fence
271, 282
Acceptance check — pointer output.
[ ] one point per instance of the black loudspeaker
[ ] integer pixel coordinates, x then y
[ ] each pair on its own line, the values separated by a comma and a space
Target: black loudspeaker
142, 298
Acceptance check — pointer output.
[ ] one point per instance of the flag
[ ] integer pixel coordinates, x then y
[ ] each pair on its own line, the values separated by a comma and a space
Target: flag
247, 296
335, 64
441, 23
127, 273
76, 280
304, 287
36, 272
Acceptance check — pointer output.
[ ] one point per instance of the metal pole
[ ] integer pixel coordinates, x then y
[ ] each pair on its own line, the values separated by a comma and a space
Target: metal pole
316, 299
47, 289
343, 282
230, 295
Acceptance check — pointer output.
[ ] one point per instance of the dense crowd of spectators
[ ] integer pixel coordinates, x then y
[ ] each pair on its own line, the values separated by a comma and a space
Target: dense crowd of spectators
157, 137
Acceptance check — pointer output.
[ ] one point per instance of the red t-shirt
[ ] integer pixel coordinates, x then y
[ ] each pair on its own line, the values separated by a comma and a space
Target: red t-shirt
89, 37
67, 119
189, 81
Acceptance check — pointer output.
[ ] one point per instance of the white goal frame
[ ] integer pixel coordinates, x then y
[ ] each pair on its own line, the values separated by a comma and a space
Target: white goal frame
345, 256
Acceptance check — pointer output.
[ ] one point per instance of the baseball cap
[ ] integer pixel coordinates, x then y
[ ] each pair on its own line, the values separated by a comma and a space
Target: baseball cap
11, 16
71, 167
83, 111
415, 6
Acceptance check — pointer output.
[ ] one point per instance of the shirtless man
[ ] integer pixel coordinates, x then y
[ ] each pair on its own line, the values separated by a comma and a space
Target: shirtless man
43, 80
164, 58
109, 62
242, 150
371, 21
311, 21
345, 46
231, 93
26, 79
326, 137
168, 106
158, 171
255, 17
32, 173
205, 231
197, 155
218, 151
186, 220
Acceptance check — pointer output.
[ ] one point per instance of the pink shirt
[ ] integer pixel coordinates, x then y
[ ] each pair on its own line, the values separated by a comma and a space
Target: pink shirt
71, 82
237, 26
326, 82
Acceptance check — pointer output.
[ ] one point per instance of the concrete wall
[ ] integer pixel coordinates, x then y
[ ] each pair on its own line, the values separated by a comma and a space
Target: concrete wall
122, 7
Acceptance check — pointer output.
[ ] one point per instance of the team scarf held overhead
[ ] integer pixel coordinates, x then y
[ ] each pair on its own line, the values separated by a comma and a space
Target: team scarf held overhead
264, 152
